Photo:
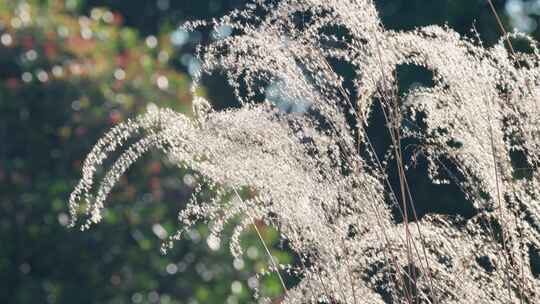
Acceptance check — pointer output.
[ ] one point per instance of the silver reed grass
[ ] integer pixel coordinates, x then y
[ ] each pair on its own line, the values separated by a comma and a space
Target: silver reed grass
315, 176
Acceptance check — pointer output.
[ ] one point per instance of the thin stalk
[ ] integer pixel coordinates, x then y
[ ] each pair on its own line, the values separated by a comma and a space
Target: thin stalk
511, 47
259, 235
399, 161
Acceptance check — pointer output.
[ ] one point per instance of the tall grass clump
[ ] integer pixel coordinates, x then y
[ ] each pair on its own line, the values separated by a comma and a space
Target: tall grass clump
300, 144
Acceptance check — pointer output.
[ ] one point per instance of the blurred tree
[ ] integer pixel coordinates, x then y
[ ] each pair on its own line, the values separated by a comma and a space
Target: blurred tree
149, 16
65, 79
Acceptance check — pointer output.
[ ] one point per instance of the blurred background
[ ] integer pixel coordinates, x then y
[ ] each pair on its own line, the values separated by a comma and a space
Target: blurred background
69, 71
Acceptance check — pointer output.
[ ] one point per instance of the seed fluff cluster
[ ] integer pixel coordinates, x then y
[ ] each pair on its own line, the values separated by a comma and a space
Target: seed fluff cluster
297, 154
